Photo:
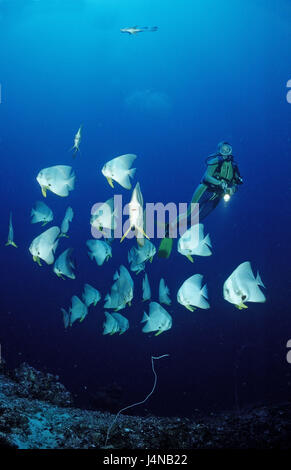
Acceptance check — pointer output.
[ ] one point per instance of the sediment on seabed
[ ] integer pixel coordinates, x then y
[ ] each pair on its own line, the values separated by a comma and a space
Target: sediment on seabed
36, 412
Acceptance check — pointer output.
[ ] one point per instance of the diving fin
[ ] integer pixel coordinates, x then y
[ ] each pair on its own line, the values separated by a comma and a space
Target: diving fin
165, 248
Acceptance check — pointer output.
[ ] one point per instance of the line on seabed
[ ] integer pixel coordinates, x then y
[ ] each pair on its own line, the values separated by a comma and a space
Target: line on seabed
153, 358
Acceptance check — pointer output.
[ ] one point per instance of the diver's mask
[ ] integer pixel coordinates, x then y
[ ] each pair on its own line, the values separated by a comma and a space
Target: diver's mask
225, 149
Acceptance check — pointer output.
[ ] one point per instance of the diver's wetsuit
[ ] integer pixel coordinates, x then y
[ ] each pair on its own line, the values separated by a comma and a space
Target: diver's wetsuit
208, 193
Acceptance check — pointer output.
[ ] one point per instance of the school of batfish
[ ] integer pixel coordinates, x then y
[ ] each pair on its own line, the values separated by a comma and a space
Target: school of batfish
239, 288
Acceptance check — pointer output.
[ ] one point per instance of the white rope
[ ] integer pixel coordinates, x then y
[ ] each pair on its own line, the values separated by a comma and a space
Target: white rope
153, 358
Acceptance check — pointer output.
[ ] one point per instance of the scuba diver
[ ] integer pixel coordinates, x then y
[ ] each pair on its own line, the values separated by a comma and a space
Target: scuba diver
220, 181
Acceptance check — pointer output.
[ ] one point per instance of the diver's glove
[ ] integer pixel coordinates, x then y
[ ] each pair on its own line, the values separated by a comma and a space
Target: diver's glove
223, 186
232, 189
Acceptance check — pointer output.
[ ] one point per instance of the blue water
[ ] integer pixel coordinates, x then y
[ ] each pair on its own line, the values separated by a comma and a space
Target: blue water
214, 70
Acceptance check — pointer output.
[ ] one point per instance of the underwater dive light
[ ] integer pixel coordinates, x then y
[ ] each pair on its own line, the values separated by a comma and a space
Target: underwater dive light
226, 197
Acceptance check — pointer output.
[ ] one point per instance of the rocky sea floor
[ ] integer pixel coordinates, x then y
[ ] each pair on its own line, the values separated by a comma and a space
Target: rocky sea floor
37, 412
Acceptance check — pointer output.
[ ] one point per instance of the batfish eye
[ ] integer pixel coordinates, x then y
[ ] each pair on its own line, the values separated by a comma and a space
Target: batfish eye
243, 297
